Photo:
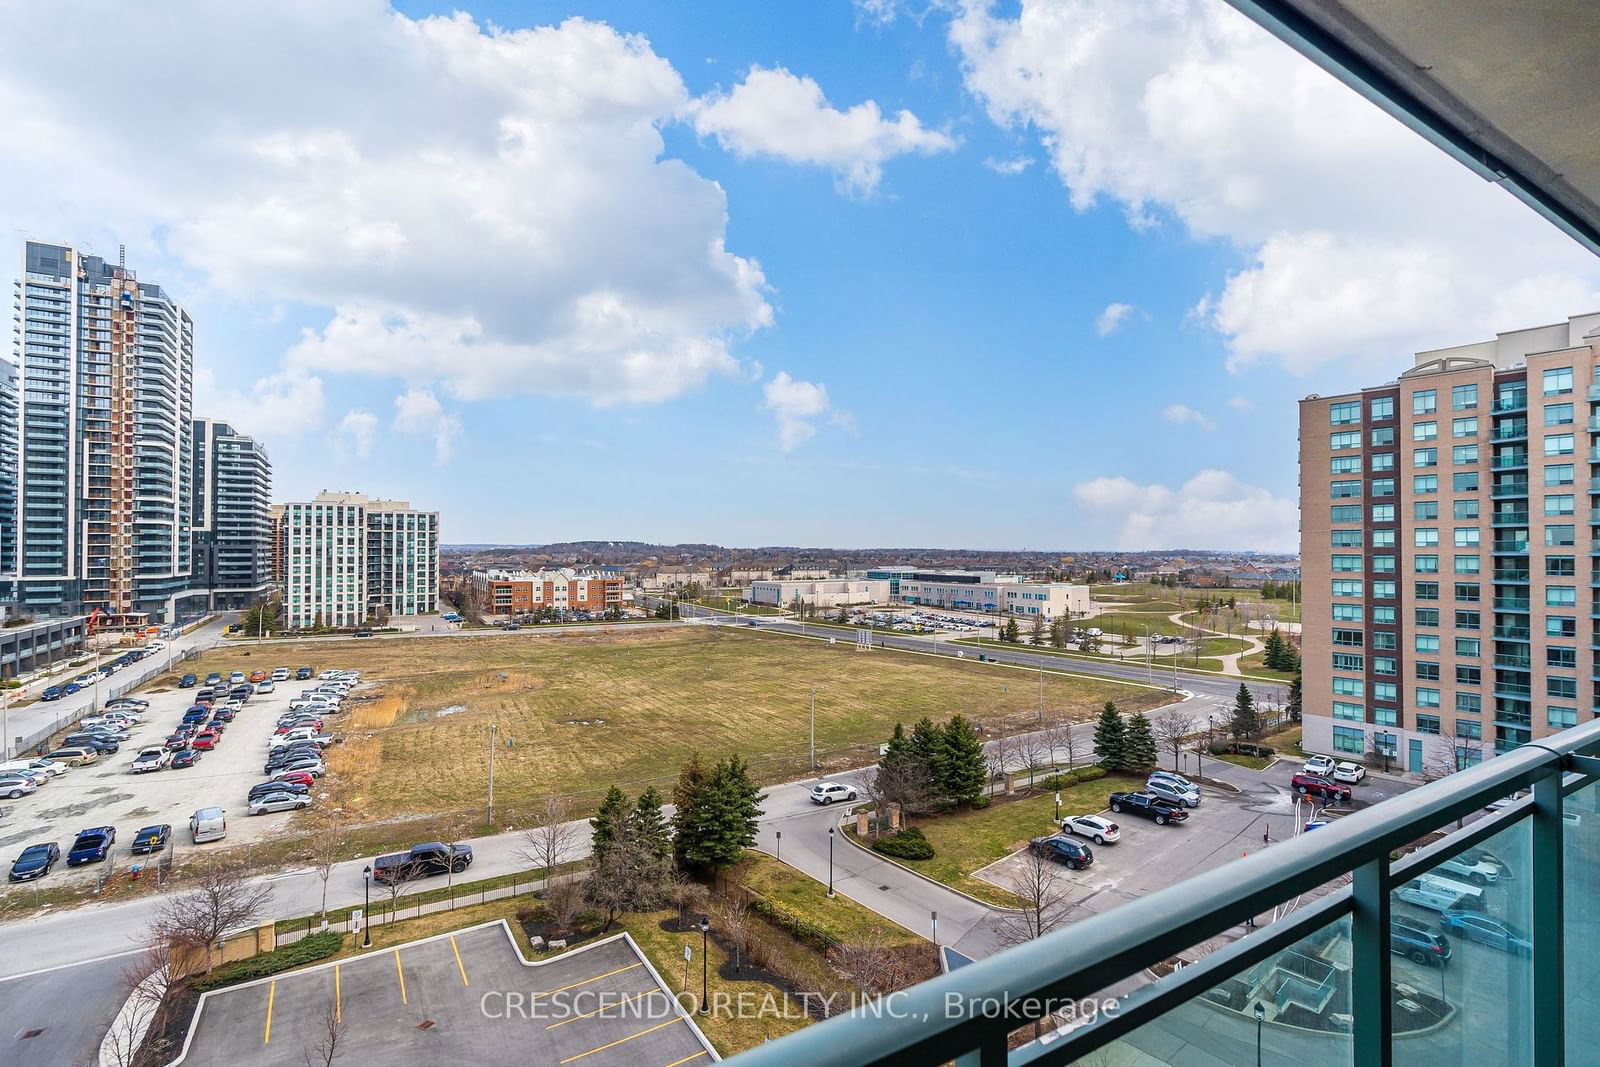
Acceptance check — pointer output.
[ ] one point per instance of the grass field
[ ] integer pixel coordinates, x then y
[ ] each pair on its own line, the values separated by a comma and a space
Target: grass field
965, 841
578, 712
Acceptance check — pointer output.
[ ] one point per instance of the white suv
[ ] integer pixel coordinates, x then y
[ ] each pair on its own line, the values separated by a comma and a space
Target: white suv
1319, 765
828, 792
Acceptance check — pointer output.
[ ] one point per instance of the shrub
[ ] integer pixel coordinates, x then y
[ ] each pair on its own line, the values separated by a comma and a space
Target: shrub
1088, 774
981, 802
318, 946
908, 844
1057, 781
792, 923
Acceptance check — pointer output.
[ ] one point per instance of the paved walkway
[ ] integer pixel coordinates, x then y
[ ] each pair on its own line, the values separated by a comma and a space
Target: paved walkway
1230, 662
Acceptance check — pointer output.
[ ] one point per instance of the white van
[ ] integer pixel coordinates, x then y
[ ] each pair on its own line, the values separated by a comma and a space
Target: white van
1441, 894
208, 824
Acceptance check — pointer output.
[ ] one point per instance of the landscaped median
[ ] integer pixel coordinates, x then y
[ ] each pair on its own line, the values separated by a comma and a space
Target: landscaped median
967, 840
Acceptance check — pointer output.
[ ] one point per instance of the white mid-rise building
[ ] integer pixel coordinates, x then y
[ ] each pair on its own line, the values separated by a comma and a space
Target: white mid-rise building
826, 593
348, 558
991, 593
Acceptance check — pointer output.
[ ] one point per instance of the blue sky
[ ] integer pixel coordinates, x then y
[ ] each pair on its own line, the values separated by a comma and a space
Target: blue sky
780, 274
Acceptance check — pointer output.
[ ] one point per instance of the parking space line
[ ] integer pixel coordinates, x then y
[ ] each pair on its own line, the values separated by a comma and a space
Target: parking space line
597, 1011
272, 993
338, 997
686, 1059
401, 974
625, 1040
459, 965
596, 978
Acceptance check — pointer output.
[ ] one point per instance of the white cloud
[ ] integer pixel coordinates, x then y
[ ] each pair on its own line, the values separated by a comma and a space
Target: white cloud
794, 404
1013, 165
1111, 318
353, 436
1241, 403
1211, 510
776, 113
1363, 242
289, 401
418, 411
480, 209
1183, 413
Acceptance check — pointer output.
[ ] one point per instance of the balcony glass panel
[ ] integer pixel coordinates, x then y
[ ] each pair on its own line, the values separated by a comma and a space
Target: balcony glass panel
1487, 964
1581, 914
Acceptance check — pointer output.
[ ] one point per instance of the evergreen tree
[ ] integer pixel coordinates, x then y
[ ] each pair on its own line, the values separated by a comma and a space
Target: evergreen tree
1060, 631
1246, 721
1010, 633
1294, 698
648, 825
963, 769
1139, 743
1110, 739
686, 796
1272, 656
1036, 632
725, 815
926, 747
610, 823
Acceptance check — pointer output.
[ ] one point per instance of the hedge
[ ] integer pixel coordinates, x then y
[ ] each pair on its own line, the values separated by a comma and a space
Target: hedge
792, 922
1088, 774
1243, 749
908, 844
310, 949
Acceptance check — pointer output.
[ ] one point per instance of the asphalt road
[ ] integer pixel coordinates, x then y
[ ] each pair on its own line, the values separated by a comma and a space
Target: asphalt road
59, 1017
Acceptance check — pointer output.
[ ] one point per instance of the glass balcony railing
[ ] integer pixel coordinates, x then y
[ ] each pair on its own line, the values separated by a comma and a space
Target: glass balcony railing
1511, 633
1508, 518
1510, 603
1321, 982
1515, 689
1509, 460
1511, 402
1509, 430
1513, 575
1521, 663
1501, 490
1512, 548
1594, 455
1594, 394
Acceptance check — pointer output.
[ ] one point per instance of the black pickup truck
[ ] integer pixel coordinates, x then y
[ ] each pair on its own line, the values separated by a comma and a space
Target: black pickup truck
1149, 806
421, 862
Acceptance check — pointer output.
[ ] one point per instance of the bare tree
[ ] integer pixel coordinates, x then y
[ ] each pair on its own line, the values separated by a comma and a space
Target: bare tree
225, 897
563, 901
1036, 753
1038, 883
903, 782
553, 837
686, 895
629, 877
401, 880
325, 848
1059, 735
871, 965
1451, 753
1173, 728
730, 913
999, 754
144, 984
330, 1037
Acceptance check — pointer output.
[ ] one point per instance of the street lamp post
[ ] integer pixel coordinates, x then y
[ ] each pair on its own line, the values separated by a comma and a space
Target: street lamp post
813, 728
780, 845
934, 918
366, 925
830, 861
1261, 1017
706, 965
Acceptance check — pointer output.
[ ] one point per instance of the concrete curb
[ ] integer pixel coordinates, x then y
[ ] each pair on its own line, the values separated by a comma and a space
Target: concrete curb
995, 908
132, 1022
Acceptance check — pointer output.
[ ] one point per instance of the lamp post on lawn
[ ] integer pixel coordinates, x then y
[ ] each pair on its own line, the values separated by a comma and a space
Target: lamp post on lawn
366, 916
830, 861
706, 963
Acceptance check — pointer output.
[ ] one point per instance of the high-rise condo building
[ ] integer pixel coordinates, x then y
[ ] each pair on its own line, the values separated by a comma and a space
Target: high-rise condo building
233, 531
1450, 535
349, 559
8, 480
105, 383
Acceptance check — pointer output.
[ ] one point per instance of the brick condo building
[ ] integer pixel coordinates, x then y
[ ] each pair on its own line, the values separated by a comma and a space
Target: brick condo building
502, 592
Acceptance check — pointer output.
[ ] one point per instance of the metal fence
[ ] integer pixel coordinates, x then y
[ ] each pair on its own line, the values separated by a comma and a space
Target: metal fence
109, 691
1506, 996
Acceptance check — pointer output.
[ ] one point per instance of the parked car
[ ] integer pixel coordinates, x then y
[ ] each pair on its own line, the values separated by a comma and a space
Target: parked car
1062, 850
362, 633
1100, 830
151, 759
1440, 894
151, 839
205, 740
282, 800
1175, 778
303, 673
1148, 806
1487, 930
265, 788
1479, 872
420, 862
235, 677
828, 792
73, 756
1418, 944
295, 778
184, 758
257, 676
1313, 785
312, 765
1319, 765
280, 674
1167, 789
91, 846
35, 861
1349, 773
54, 692
34, 765
208, 824
213, 678
188, 681
16, 785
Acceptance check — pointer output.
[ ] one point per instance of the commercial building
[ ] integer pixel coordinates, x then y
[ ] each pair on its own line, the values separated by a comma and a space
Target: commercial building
233, 532
892, 575
102, 509
563, 589
1450, 522
33, 645
986, 591
350, 559
677, 578
823, 593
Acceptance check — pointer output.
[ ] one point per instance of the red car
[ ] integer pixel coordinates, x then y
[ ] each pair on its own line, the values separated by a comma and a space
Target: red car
206, 739
296, 778
1324, 788
315, 724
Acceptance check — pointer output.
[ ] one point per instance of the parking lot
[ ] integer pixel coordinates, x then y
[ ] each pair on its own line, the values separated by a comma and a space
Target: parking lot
467, 997
107, 793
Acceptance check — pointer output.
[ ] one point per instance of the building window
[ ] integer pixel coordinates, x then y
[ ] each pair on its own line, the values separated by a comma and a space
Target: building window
1347, 613
1426, 511
1467, 647
1559, 536
1557, 380
1346, 538
1345, 490
1384, 665
1427, 617
1463, 397
1466, 536
1425, 457
1425, 483
1427, 590
1383, 590
1561, 658
1347, 687
1559, 505
1345, 661
1467, 591
1382, 617
1425, 431
1344, 439
1469, 729
1560, 627
1560, 566
1427, 724
1345, 413
1427, 698
1346, 588
1346, 513
1383, 513
1464, 509
1425, 538
1383, 435
1348, 740
1382, 538
1427, 672
1560, 596
1383, 461
1348, 638
1344, 465
1558, 414
1468, 676
1424, 402
1427, 646
1468, 620
1387, 692
1558, 444
1347, 563
1558, 474
1561, 718
1427, 564
1464, 455
1464, 427
1381, 407
1465, 482
1562, 688
1383, 487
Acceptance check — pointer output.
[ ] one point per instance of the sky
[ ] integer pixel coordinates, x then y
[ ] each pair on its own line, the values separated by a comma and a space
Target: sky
1048, 274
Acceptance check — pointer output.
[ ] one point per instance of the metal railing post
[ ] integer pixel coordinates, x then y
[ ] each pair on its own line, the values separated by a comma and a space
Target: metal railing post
1549, 959
1371, 999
